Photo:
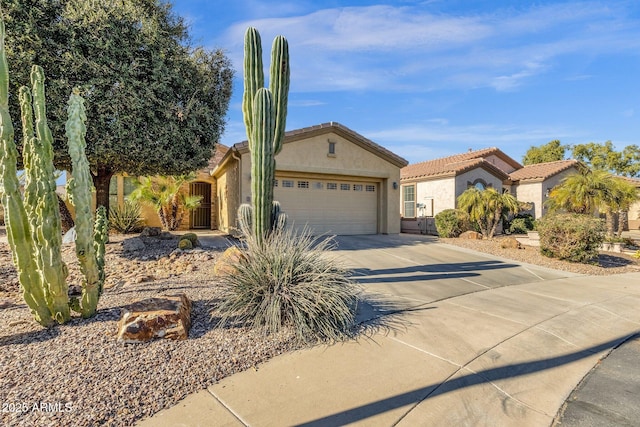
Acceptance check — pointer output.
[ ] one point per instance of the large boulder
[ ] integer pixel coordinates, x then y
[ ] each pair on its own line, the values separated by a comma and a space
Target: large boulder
150, 232
226, 264
167, 316
471, 235
510, 243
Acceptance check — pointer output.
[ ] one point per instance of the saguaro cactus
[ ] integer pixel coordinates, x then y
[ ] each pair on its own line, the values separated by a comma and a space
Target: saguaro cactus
33, 223
265, 114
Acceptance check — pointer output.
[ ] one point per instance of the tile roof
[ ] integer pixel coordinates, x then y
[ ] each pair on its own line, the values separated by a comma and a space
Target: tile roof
542, 171
454, 165
218, 154
297, 134
630, 180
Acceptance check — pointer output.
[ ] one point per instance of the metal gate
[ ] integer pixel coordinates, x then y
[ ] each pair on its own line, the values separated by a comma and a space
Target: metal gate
201, 216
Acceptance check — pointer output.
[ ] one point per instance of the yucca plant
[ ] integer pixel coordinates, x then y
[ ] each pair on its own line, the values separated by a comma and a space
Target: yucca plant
290, 281
126, 218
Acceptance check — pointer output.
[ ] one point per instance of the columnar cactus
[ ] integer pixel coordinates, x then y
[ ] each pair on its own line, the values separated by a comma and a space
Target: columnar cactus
265, 114
33, 223
80, 187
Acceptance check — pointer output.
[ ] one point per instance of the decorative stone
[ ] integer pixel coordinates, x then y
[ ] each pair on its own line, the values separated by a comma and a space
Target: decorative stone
168, 316
150, 232
471, 235
510, 243
133, 244
226, 264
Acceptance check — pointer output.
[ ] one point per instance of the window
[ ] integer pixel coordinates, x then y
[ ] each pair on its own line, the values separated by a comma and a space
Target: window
332, 186
332, 148
318, 185
370, 188
303, 184
275, 182
344, 187
287, 183
409, 201
357, 187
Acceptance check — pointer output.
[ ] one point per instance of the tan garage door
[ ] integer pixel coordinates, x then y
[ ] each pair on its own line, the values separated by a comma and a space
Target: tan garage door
330, 206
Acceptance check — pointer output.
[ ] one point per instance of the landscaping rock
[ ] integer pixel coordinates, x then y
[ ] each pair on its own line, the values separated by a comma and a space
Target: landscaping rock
226, 264
510, 243
471, 235
150, 232
163, 317
133, 244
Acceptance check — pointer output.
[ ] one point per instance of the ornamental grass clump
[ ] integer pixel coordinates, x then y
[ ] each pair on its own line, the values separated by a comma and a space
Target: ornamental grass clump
290, 281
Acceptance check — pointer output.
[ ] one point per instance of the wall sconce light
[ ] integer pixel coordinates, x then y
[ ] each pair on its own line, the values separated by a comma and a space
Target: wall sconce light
395, 185
547, 193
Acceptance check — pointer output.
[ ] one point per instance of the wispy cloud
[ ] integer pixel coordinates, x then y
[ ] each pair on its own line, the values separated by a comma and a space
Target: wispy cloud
410, 47
437, 138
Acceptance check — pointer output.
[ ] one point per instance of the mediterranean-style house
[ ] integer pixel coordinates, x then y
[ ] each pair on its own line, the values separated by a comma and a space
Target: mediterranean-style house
430, 187
328, 178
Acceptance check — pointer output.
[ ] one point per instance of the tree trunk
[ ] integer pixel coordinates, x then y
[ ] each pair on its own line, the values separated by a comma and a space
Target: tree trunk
610, 222
65, 216
623, 221
101, 181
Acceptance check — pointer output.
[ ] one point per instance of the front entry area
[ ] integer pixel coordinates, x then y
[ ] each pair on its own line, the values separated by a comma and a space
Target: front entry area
201, 216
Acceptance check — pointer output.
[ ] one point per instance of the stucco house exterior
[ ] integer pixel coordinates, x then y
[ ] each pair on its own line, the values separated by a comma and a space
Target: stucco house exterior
328, 177
533, 183
430, 187
634, 210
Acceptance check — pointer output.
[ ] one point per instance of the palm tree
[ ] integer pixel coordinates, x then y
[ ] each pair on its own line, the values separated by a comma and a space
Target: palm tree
163, 193
590, 191
486, 208
583, 192
626, 194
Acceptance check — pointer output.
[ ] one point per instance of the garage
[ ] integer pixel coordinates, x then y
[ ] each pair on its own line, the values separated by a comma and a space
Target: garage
328, 177
329, 206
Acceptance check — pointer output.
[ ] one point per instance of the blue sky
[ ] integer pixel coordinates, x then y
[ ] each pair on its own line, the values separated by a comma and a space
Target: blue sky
428, 79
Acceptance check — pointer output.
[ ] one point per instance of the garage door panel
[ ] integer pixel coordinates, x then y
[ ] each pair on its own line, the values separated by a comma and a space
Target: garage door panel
332, 207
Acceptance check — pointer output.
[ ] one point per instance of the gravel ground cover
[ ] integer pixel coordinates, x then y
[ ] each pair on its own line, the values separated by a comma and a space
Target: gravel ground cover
77, 375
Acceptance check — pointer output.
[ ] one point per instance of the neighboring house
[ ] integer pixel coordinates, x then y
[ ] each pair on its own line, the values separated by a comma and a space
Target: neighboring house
430, 187
327, 177
533, 183
433, 186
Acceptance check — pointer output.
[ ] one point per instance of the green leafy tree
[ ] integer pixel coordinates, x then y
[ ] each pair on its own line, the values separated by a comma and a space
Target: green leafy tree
552, 151
605, 157
486, 208
164, 195
155, 103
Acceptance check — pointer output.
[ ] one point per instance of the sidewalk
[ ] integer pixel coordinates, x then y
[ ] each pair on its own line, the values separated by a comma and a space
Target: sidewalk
509, 356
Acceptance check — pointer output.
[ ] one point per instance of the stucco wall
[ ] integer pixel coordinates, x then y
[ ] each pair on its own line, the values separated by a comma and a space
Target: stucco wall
463, 180
442, 191
501, 164
226, 197
530, 193
311, 157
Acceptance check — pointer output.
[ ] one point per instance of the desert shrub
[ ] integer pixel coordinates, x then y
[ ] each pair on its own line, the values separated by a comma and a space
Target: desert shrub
290, 281
126, 218
571, 237
452, 222
520, 224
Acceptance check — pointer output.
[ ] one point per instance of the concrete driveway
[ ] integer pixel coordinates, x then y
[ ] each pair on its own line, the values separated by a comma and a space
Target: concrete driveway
454, 338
